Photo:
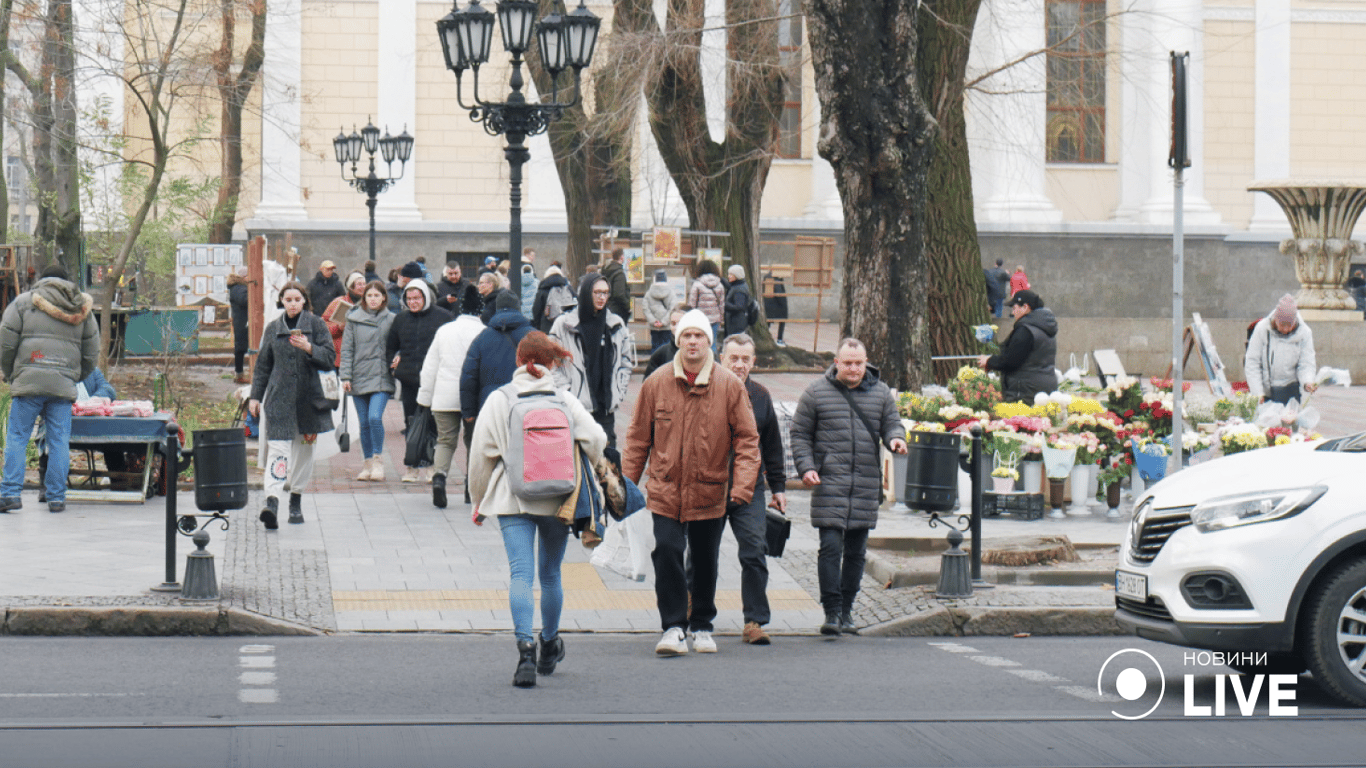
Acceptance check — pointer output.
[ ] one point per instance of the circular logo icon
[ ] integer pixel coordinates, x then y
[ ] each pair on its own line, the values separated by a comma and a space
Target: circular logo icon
1130, 681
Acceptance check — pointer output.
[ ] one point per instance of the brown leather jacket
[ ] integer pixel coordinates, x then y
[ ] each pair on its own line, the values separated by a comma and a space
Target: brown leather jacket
687, 433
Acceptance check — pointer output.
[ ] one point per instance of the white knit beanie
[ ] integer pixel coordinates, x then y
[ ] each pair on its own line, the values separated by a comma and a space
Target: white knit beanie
694, 319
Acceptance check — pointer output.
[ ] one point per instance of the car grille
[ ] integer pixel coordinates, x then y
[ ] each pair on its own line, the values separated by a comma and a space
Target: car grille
1157, 528
1152, 609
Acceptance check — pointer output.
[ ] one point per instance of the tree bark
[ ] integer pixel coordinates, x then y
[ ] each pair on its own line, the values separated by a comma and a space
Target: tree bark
233, 92
6, 13
878, 136
957, 295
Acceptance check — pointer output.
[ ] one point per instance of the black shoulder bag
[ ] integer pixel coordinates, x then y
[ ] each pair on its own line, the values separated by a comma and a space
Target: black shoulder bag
877, 439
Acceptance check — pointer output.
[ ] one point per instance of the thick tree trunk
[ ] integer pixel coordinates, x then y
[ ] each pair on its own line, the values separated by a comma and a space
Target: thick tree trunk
233, 92
878, 135
957, 296
6, 13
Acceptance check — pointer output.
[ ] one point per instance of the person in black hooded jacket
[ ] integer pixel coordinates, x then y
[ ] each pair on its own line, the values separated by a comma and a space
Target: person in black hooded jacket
1028, 356
238, 301
410, 335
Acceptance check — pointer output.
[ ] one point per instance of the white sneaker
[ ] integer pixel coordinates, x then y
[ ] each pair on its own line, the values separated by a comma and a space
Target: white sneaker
702, 642
409, 475
673, 643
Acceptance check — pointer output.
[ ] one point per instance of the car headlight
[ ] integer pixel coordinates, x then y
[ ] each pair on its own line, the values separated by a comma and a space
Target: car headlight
1247, 508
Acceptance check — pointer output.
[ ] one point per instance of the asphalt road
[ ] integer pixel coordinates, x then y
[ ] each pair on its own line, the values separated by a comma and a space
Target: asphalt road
448, 700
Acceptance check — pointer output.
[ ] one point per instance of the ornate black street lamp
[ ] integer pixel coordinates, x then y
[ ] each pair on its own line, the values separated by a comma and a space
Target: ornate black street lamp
565, 40
391, 148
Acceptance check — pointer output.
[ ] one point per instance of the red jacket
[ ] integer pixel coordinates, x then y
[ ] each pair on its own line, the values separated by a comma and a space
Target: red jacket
1018, 282
687, 433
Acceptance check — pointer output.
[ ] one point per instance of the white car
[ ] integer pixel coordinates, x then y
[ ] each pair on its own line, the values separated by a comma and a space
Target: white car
1261, 552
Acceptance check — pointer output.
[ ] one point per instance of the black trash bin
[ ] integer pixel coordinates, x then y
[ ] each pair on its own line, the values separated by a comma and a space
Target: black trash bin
220, 469
931, 471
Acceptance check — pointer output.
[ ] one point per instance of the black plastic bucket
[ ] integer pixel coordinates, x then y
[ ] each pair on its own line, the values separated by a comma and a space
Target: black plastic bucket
220, 469
931, 471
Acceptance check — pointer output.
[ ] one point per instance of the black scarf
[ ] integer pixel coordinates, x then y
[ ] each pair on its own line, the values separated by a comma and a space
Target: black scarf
597, 348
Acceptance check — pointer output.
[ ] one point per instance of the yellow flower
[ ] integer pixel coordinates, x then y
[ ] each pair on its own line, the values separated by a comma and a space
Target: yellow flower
1083, 405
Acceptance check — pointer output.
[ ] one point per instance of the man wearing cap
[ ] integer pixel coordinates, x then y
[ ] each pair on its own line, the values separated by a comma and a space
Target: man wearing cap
738, 299
690, 419
1028, 356
410, 272
325, 286
1280, 364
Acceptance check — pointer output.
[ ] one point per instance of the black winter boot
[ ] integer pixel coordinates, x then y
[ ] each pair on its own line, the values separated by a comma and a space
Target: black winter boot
847, 624
270, 513
296, 512
439, 491
525, 676
552, 653
832, 624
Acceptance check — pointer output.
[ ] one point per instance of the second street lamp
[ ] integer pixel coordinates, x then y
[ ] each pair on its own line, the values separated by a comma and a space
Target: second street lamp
565, 41
391, 148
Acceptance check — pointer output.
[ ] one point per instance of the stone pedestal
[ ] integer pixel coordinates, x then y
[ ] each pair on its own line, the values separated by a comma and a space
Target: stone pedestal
1322, 215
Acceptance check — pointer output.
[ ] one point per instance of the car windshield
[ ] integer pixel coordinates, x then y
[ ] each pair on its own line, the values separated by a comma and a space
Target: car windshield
1349, 444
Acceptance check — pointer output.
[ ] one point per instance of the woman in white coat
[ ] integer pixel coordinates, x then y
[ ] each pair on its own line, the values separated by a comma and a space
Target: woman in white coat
522, 520
440, 391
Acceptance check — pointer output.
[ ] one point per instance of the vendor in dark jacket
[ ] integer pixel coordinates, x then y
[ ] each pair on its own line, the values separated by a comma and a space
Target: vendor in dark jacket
406, 347
325, 286
1028, 356
842, 422
238, 303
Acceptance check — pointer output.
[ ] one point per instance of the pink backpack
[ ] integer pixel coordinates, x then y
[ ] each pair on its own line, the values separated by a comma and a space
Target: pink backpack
540, 455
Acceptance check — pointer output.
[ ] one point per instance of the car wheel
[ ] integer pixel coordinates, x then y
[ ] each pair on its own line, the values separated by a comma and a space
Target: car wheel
1276, 664
1335, 646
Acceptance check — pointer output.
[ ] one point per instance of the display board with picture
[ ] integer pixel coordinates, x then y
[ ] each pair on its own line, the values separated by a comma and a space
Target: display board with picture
201, 273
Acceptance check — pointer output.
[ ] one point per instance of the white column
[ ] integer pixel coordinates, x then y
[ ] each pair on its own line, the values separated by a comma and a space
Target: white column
99, 61
397, 72
1271, 99
542, 193
1137, 114
282, 85
1017, 112
1174, 25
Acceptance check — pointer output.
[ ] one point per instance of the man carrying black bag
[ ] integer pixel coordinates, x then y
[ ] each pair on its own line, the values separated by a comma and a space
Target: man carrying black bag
749, 522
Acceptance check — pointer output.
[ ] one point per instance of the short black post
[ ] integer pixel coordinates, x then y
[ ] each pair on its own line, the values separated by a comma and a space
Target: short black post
975, 523
170, 463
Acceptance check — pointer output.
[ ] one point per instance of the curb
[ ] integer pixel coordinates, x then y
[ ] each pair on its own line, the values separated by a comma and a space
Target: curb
143, 621
890, 577
953, 619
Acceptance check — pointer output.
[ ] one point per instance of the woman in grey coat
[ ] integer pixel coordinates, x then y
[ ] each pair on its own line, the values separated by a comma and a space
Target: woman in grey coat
295, 348
366, 375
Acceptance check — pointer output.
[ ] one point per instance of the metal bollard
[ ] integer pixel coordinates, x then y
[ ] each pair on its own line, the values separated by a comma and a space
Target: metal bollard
955, 580
201, 581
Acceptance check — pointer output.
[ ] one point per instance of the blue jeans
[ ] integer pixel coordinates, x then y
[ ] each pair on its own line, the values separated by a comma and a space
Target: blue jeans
370, 411
998, 307
23, 412
519, 539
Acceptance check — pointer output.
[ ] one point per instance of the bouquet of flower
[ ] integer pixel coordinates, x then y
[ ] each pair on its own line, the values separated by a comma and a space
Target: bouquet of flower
1085, 405
1114, 473
1166, 385
1157, 411
1154, 447
1193, 442
1238, 438
1124, 394
1279, 435
1011, 410
920, 407
1242, 405
925, 426
1033, 424
1004, 471
973, 388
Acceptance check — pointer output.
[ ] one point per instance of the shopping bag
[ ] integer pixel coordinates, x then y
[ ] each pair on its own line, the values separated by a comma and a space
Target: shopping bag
420, 449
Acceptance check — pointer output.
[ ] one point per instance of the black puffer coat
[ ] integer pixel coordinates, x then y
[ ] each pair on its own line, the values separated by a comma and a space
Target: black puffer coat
412, 333
238, 302
829, 437
286, 380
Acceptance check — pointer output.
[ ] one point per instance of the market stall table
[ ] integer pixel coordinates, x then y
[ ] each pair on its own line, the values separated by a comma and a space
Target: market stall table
95, 433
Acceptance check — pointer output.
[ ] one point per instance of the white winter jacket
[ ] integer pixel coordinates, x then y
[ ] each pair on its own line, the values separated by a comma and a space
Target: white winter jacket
440, 381
1276, 359
488, 474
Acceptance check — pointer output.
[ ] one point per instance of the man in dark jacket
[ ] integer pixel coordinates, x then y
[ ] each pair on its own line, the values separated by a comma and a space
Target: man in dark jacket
488, 290
615, 273
325, 286
749, 522
775, 303
998, 284
455, 294
238, 303
842, 421
665, 354
1028, 356
492, 358
738, 298
541, 316
48, 343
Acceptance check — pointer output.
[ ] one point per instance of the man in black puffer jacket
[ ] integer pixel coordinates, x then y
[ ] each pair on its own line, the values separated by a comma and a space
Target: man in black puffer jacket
1028, 356
835, 450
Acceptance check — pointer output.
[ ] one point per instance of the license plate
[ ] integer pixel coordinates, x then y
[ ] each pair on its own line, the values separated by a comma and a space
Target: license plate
1131, 585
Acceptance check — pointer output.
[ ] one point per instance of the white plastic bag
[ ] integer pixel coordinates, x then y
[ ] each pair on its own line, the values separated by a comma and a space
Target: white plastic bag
626, 546
1334, 376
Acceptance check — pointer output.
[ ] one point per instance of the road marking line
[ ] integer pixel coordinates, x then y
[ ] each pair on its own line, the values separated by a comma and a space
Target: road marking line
994, 661
1037, 676
955, 648
257, 657
66, 695
1089, 694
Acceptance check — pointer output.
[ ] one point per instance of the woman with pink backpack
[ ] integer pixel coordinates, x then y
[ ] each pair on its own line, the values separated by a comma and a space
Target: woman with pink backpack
502, 485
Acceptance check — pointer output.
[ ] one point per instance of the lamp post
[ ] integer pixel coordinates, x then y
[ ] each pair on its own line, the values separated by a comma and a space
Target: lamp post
565, 41
391, 148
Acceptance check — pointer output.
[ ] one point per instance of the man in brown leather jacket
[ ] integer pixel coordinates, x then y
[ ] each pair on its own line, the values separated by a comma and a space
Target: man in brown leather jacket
688, 420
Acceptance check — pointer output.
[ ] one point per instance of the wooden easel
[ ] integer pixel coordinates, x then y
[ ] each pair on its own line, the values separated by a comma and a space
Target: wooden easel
1196, 338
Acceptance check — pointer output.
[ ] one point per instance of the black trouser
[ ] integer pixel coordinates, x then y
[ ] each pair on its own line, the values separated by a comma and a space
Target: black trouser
703, 537
840, 582
408, 396
749, 523
1285, 394
239, 361
608, 422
